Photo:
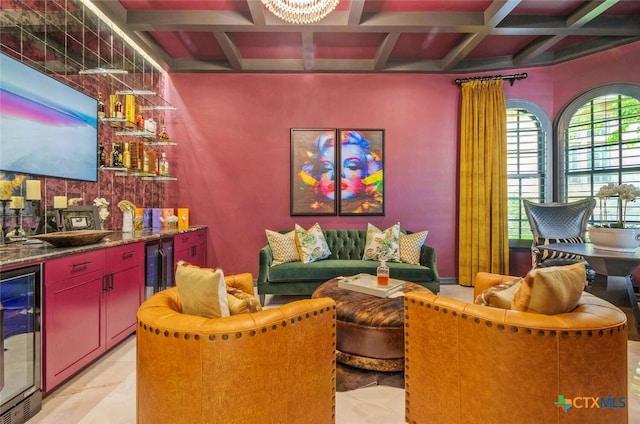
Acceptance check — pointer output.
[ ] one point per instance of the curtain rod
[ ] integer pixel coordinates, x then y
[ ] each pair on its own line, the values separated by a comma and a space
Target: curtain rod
511, 78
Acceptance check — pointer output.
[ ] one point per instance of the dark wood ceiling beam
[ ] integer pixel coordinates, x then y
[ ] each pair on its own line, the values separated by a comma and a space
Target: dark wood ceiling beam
385, 50
495, 13
588, 11
423, 19
355, 12
229, 49
162, 20
308, 50
257, 12
539, 46
590, 47
194, 65
385, 22
498, 10
459, 52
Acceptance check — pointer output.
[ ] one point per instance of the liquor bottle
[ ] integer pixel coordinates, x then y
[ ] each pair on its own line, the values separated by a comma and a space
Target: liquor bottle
112, 105
150, 126
130, 110
126, 156
163, 136
117, 108
382, 272
102, 157
145, 162
100, 105
164, 165
136, 153
140, 121
116, 155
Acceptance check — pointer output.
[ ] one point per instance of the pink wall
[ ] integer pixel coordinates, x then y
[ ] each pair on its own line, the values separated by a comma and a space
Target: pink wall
232, 158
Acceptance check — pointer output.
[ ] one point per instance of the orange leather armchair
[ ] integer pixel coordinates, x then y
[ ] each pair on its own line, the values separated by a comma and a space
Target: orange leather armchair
467, 363
275, 365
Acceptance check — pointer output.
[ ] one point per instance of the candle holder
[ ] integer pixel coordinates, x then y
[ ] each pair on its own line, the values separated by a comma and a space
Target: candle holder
35, 204
59, 219
18, 233
4, 218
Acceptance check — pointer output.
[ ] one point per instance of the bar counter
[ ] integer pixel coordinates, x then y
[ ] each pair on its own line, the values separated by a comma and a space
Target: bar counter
19, 253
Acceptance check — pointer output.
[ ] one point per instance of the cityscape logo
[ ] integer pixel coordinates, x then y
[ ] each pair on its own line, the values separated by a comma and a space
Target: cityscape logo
590, 402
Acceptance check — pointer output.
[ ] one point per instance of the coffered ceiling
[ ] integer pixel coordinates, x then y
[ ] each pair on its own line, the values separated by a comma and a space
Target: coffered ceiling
384, 36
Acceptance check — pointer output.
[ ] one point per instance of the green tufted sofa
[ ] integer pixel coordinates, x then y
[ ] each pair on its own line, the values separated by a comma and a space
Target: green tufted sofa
347, 249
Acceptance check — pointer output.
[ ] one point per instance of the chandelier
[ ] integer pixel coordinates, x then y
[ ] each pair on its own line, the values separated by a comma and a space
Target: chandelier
301, 11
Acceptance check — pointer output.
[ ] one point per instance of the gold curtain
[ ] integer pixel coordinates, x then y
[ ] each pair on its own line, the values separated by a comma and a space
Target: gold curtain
483, 235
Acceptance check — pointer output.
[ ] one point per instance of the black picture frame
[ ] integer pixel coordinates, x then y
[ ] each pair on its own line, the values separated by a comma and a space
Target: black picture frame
80, 218
313, 179
361, 170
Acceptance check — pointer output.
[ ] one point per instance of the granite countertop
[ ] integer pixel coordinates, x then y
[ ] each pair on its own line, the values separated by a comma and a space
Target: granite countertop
29, 252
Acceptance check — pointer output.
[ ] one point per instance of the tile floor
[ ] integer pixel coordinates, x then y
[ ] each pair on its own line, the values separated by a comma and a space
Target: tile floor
105, 392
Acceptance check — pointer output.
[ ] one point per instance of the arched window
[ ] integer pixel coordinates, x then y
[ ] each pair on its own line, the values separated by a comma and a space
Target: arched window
599, 143
527, 164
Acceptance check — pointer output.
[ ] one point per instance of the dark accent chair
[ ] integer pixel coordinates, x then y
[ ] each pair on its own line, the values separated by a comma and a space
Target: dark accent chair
558, 223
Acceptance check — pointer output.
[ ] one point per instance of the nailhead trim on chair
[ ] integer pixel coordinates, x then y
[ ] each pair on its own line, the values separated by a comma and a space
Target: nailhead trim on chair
500, 327
253, 332
477, 320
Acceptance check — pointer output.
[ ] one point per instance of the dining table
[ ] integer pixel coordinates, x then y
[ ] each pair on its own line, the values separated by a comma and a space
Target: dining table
613, 276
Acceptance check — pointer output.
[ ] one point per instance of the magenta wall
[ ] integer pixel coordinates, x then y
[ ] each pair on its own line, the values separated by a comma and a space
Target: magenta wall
232, 159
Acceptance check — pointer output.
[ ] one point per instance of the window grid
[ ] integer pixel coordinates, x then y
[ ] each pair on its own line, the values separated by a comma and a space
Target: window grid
602, 146
525, 168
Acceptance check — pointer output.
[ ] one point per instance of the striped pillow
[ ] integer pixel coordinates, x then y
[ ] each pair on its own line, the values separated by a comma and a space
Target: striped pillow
549, 254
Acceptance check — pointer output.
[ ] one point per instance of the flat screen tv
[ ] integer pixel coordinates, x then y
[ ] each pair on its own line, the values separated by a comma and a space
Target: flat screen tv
46, 127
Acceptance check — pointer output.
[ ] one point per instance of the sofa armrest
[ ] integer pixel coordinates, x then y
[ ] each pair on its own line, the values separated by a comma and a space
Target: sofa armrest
266, 258
242, 282
485, 280
428, 259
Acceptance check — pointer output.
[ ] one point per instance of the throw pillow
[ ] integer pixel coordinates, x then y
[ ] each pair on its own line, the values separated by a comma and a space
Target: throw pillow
203, 291
312, 246
410, 246
241, 302
500, 295
382, 244
551, 290
548, 254
283, 247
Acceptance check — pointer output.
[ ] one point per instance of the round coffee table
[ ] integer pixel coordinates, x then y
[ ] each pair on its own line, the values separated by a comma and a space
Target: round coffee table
370, 329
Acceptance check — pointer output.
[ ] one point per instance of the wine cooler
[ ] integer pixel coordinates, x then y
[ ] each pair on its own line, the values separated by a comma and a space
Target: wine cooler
158, 266
20, 352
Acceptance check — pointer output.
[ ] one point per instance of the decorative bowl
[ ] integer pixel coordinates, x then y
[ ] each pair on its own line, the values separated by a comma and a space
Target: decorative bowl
616, 239
73, 238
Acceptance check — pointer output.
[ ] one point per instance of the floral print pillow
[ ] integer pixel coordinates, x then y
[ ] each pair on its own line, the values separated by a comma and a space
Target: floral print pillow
382, 244
311, 244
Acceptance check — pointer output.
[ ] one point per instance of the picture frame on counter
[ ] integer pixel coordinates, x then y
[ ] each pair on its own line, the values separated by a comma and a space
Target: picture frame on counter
80, 218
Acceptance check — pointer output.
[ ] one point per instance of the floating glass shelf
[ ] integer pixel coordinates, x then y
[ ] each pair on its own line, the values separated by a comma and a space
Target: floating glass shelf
124, 172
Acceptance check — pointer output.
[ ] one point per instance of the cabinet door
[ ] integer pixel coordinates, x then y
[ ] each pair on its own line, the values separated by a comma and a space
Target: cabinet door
182, 244
199, 256
124, 283
191, 247
73, 335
